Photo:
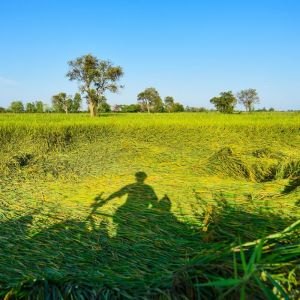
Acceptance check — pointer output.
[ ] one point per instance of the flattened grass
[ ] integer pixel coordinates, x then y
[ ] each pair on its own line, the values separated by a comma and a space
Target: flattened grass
210, 235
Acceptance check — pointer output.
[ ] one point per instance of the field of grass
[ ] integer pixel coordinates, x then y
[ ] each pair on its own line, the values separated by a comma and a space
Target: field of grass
217, 215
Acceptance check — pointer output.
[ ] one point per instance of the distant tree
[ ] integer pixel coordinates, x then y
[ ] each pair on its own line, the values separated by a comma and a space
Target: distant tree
225, 103
271, 109
158, 106
149, 100
30, 107
61, 103
177, 107
103, 106
95, 77
2, 110
248, 98
47, 108
262, 109
169, 102
195, 109
76, 103
131, 108
16, 107
171, 106
39, 106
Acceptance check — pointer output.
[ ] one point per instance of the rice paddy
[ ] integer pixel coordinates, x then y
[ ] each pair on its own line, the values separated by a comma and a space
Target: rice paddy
159, 206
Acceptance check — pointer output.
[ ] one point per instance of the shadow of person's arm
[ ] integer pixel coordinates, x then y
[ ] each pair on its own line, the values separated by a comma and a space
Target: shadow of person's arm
98, 202
117, 194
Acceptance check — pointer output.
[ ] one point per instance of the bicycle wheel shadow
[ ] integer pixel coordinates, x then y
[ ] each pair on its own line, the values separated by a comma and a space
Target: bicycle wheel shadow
149, 247
149, 239
149, 242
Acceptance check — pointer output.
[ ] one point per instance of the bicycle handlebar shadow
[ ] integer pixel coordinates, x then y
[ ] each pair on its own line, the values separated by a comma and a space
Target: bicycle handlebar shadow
149, 239
150, 243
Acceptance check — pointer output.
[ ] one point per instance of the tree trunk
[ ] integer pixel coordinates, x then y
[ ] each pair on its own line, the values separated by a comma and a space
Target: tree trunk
148, 108
93, 109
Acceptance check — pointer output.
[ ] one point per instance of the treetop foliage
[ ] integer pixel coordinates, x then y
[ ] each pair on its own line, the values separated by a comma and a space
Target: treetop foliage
95, 77
248, 98
65, 103
149, 99
224, 103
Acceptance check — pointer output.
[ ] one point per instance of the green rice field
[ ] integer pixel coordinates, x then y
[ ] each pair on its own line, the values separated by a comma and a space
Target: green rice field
158, 206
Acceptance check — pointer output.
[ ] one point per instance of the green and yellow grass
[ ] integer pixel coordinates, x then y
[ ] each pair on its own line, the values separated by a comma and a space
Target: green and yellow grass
223, 182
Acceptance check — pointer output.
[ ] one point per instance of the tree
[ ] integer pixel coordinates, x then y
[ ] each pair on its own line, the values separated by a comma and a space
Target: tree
225, 103
103, 106
39, 106
47, 108
2, 110
30, 107
149, 100
169, 102
131, 108
76, 103
95, 77
195, 109
172, 106
61, 102
158, 106
248, 98
177, 107
16, 107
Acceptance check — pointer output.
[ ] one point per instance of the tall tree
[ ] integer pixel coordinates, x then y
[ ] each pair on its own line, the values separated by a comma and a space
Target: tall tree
39, 106
30, 107
225, 103
76, 103
149, 99
169, 102
248, 98
131, 108
177, 107
16, 107
158, 105
61, 102
95, 77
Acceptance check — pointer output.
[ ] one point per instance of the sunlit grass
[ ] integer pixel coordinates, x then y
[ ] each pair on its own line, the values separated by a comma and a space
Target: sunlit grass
219, 180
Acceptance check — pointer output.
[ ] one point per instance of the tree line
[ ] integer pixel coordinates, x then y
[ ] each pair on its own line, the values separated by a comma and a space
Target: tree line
60, 103
63, 103
226, 101
95, 77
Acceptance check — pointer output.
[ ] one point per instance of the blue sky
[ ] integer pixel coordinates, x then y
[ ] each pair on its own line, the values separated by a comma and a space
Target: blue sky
189, 49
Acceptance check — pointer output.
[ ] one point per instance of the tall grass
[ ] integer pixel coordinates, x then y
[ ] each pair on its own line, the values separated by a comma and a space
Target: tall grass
226, 225
60, 130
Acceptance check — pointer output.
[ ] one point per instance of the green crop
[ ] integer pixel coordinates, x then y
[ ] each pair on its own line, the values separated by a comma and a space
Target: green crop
216, 218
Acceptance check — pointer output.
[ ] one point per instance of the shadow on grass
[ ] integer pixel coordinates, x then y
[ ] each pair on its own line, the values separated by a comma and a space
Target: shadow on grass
145, 257
292, 185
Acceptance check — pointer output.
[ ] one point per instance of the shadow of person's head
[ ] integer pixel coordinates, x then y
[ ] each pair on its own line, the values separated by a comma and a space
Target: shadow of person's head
140, 177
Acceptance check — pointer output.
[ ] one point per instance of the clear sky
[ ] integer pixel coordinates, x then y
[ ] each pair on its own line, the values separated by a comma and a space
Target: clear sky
189, 49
